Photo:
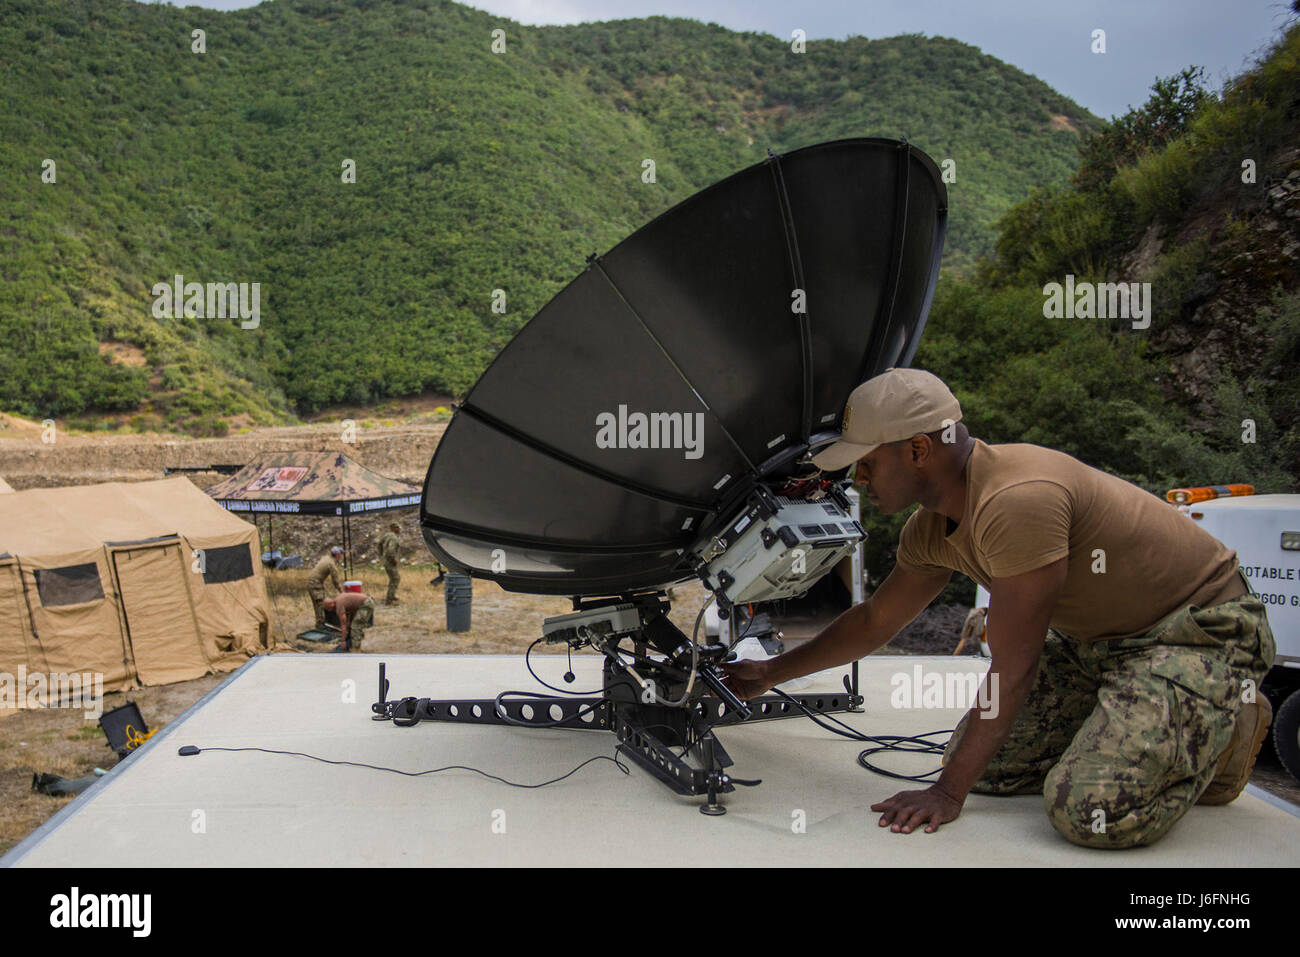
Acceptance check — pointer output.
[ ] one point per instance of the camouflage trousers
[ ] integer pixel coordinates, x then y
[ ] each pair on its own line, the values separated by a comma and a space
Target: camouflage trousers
1121, 737
363, 619
394, 579
316, 592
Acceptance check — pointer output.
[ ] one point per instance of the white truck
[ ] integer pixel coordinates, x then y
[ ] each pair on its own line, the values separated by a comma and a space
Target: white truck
1264, 531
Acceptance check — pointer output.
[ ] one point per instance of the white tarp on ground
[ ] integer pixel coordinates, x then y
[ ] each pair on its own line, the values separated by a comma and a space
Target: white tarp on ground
263, 809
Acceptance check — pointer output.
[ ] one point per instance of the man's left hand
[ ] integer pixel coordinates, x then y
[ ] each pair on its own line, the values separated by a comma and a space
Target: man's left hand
910, 809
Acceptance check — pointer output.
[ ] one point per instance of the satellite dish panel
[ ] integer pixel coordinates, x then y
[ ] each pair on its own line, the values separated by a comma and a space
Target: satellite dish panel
704, 354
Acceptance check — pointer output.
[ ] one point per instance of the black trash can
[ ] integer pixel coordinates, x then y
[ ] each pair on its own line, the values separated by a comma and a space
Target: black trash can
458, 591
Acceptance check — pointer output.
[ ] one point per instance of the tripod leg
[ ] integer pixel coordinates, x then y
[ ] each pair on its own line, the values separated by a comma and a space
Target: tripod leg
711, 806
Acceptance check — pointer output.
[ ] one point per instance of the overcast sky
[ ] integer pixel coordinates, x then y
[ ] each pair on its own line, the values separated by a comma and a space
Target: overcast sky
1051, 39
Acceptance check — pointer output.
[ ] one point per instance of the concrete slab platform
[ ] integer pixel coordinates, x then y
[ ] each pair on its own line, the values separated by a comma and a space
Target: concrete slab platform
220, 809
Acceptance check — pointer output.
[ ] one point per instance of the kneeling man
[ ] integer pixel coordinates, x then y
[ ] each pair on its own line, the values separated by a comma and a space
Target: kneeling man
1127, 644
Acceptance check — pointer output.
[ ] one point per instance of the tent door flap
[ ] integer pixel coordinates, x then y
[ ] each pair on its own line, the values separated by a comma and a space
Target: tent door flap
159, 614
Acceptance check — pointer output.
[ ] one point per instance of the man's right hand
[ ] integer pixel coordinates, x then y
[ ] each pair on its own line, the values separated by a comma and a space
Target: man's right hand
748, 679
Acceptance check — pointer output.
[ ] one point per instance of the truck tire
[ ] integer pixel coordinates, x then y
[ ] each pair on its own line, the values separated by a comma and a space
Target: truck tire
1286, 734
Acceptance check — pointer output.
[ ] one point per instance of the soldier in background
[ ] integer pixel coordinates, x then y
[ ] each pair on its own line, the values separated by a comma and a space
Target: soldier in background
327, 567
356, 613
388, 554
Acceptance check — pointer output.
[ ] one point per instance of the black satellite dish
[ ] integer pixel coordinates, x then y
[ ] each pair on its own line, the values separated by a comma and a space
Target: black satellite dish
703, 355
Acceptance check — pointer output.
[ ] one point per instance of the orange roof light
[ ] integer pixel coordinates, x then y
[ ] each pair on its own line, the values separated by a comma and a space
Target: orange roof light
1204, 493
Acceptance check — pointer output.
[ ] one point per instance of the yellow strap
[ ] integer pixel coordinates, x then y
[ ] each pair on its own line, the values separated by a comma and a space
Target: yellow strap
134, 738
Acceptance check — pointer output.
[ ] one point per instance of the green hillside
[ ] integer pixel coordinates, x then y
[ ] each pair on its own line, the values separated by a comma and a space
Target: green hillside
1207, 210
475, 171
1198, 194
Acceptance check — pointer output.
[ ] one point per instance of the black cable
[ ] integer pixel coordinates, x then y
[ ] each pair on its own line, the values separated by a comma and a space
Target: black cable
415, 774
893, 742
568, 691
883, 742
913, 744
686, 747
749, 622
551, 724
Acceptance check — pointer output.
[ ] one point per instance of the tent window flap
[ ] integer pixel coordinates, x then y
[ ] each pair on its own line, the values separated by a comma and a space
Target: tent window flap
70, 585
227, 564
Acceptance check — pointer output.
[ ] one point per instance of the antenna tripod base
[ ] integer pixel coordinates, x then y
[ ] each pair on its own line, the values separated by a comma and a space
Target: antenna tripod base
676, 745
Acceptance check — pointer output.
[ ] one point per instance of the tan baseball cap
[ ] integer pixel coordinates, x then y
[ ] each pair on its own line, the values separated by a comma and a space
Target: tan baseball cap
895, 405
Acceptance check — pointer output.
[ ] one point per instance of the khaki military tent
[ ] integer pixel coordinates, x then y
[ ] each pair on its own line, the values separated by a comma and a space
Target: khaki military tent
144, 582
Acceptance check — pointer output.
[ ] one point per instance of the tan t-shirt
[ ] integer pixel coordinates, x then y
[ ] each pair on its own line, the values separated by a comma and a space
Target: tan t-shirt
323, 569
1027, 506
